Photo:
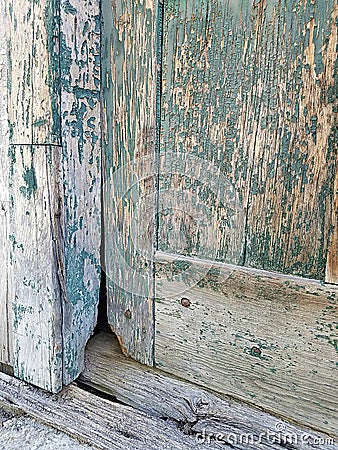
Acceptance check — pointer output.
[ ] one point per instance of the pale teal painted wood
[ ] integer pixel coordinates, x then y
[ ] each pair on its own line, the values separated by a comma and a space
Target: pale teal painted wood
249, 99
129, 77
5, 272
81, 165
250, 89
52, 186
35, 258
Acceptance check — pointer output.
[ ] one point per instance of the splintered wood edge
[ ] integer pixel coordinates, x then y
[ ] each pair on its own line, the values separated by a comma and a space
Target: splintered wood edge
161, 395
93, 420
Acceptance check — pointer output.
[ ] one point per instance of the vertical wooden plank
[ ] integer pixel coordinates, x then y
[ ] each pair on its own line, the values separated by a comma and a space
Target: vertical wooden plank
5, 325
332, 69
34, 256
81, 146
5, 321
332, 259
295, 154
19, 29
242, 86
33, 41
204, 164
45, 73
129, 130
4, 63
66, 270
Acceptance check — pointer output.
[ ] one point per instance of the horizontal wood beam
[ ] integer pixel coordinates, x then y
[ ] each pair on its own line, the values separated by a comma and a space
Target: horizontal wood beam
195, 410
262, 337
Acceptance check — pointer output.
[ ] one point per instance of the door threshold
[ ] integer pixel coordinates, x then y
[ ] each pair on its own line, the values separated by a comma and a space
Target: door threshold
201, 415
189, 418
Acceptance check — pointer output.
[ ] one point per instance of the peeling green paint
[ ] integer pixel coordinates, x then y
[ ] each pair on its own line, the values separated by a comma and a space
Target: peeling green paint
69, 8
31, 184
266, 141
19, 312
80, 70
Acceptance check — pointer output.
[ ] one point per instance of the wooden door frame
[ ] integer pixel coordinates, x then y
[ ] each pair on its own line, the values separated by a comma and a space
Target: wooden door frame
52, 174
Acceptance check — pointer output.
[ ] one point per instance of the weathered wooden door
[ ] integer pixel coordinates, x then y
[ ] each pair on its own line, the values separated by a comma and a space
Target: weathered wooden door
221, 195
50, 184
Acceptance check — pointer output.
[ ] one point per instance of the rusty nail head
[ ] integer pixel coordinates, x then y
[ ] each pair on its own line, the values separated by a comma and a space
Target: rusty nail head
185, 302
256, 351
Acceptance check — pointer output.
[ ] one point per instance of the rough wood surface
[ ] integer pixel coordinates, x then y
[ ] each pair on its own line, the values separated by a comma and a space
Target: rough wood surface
332, 260
295, 157
5, 283
265, 338
33, 43
201, 165
19, 32
129, 130
156, 393
35, 250
5, 322
248, 87
96, 421
45, 101
4, 131
81, 145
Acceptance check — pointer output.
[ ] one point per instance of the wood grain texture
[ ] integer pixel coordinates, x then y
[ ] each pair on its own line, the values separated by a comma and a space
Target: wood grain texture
34, 88
4, 130
332, 259
46, 49
19, 30
129, 130
97, 421
5, 323
45, 76
248, 87
35, 218
201, 105
81, 162
295, 157
5, 274
157, 394
265, 338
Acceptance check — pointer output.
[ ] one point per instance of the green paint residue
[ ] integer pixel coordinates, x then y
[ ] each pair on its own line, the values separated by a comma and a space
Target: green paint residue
52, 25
40, 123
69, 8
18, 314
31, 186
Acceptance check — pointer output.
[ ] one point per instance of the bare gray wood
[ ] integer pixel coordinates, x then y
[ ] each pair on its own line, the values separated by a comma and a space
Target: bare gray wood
96, 421
129, 60
32, 32
265, 338
5, 304
158, 394
35, 220
53, 199
332, 259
